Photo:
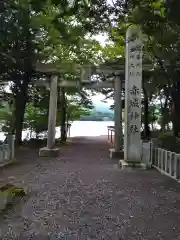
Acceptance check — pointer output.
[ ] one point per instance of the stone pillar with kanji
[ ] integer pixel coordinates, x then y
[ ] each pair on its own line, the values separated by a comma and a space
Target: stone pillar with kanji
133, 84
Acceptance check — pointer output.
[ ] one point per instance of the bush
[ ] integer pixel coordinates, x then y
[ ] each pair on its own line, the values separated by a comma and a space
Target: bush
169, 142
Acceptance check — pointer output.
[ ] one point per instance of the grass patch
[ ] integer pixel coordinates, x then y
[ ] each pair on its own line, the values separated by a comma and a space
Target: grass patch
12, 190
169, 142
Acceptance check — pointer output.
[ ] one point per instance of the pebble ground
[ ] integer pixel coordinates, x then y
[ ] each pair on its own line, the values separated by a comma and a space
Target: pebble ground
83, 195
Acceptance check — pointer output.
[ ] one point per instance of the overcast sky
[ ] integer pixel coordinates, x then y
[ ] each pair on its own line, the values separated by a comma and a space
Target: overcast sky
99, 97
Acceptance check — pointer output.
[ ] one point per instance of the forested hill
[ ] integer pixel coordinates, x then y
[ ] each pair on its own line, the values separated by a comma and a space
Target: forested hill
101, 112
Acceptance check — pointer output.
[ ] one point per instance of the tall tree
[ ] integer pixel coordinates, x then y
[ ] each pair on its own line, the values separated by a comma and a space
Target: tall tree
44, 31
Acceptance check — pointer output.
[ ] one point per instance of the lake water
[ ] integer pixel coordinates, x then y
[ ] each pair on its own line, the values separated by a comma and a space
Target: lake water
89, 128
78, 128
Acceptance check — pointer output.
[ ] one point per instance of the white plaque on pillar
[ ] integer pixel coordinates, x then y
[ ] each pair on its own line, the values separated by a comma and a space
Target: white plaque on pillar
133, 82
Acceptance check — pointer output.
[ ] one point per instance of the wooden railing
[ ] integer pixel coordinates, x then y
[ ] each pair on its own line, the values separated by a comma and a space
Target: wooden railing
111, 134
68, 130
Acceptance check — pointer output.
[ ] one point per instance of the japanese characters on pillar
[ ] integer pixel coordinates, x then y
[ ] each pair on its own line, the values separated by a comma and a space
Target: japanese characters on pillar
133, 95
134, 114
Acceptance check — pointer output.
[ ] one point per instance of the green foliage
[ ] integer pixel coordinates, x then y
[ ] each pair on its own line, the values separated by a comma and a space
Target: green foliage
75, 112
78, 106
160, 27
55, 31
36, 119
44, 31
169, 142
36, 114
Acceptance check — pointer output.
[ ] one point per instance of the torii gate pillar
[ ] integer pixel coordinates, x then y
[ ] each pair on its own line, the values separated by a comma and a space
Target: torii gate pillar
51, 150
117, 152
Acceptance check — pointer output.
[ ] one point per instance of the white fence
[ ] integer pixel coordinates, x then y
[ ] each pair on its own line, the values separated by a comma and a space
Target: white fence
167, 162
146, 153
7, 150
164, 161
4, 153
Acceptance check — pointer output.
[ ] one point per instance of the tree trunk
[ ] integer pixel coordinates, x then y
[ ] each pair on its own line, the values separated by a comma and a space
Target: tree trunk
20, 105
176, 119
146, 115
23, 80
63, 115
152, 123
176, 110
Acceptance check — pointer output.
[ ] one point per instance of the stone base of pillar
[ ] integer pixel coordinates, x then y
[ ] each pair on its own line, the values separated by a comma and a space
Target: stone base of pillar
47, 152
129, 165
116, 154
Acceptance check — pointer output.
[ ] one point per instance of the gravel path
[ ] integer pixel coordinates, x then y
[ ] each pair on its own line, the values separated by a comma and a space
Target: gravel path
83, 195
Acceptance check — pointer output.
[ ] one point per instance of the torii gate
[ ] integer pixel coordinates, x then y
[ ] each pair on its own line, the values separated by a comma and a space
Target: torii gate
133, 80
117, 83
